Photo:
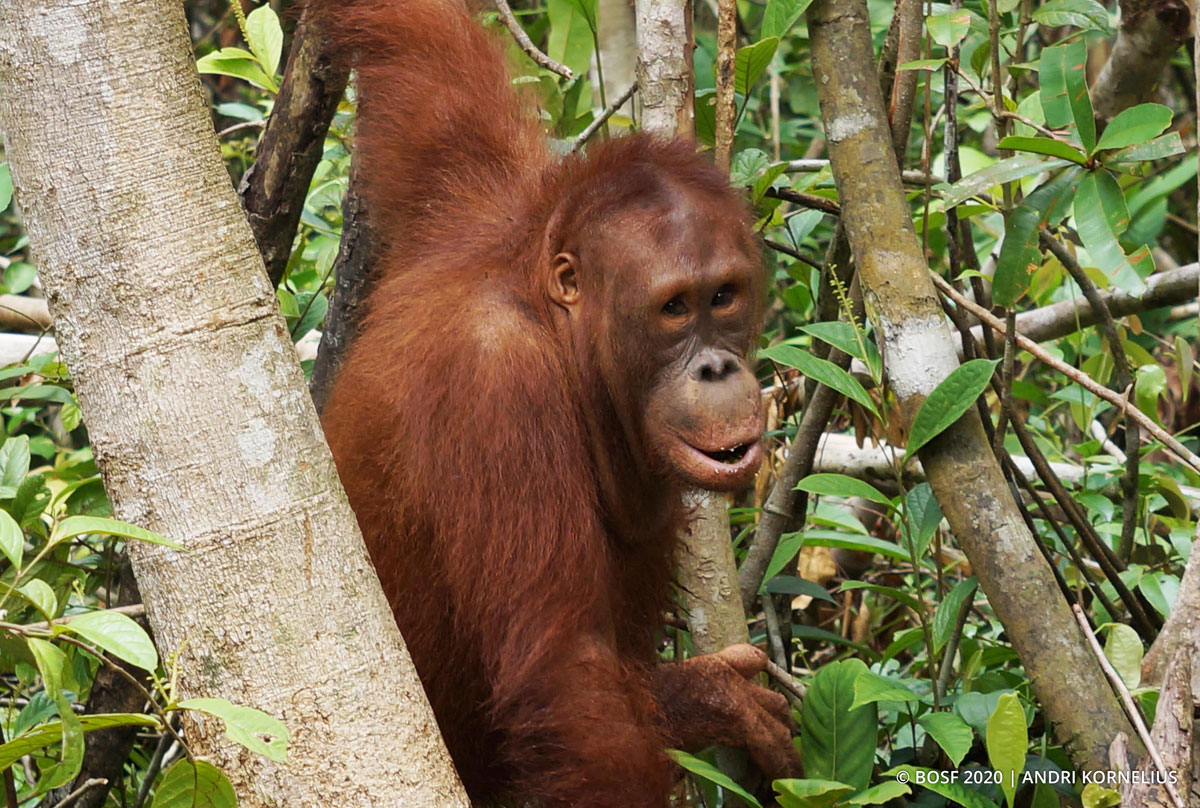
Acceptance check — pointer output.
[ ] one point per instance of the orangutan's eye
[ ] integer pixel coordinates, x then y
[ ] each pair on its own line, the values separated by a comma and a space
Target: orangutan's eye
724, 297
675, 307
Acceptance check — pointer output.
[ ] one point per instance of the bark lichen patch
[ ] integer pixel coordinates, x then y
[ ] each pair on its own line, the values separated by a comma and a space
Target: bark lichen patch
923, 348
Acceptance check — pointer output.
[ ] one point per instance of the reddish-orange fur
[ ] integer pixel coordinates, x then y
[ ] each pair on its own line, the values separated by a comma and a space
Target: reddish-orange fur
465, 430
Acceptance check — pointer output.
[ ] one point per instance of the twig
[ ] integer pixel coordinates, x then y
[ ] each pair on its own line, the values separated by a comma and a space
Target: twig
603, 117
74, 796
1082, 379
788, 682
156, 762
526, 43
807, 200
132, 610
786, 250
1131, 709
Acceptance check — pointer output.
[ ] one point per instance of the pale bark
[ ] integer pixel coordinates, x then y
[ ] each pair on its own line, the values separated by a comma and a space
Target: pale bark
200, 421
664, 39
617, 52
919, 353
726, 112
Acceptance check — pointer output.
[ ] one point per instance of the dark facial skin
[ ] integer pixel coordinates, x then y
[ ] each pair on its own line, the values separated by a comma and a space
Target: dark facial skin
669, 299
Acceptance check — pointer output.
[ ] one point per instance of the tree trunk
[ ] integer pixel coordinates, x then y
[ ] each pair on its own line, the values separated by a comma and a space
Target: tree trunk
198, 414
919, 353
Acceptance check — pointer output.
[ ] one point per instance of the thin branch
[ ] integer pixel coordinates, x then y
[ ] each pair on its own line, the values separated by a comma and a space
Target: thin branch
1082, 379
608, 112
806, 200
1131, 709
786, 250
788, 682
74, 796
531, 50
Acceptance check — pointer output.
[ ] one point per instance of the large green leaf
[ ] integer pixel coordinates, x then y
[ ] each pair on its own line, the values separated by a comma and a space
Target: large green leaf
1044, 145
117, 634
870, 688
51, 732
948, 401
6, 186
841, 485
810, 793
74, 526
572, 33
1168, 145
712, 774
1086, 14
264, 35
246, 726
751, 62
838, 742
1134, 126
1007, 739
779, 16
194, 785
821, 370
946, 616
951, 733
1064, 93
240, 64
1123, 647
12, 539
1019, 254
1009, 169
1100, 216
949, 29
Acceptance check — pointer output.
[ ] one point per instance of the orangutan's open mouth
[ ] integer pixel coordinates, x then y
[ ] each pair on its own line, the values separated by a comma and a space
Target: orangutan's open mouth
730, 456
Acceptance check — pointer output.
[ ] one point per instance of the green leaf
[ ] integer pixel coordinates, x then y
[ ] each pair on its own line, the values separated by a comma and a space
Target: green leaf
923, 64
1019, 254
922, 515
870, 688
1150, 382
934, 781
572, 33
6, 186
1123, 647
117, 634
1044, 145
39, 593
840, 485
946, 616
265, 37
810, 793
1063, 91
892, 592
838, 741
1101, 216
793, 585
951, 733
821, 370
878, 794
52, 664
12, 539
781, 15
837, 334
238, 63
199, 785
1134, 126
14, 461
38, 392
751, 62
860, 544
1097, 796
949, 400
1087, 15
1007, 739
74, 526
244, 725
51, 732
949, 29
1009, 169
1168, 145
